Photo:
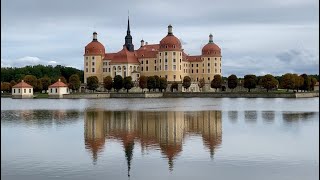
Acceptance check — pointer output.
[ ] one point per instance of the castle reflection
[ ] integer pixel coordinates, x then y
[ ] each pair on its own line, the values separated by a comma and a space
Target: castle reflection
153, 130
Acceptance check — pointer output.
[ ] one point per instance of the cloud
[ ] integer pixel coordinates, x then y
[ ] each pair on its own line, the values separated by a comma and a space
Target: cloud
26, 61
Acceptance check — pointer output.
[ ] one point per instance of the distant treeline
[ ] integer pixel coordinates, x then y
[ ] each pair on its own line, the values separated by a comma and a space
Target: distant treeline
17, 74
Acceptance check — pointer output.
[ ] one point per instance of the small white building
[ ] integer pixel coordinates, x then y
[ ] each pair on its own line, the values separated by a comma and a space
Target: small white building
22, 90
58, 89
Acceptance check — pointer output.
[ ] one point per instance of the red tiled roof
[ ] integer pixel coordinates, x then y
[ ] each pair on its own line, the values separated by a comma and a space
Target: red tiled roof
109, 56
170, 43
94, 48
58, 84
194, 58
211, 49
22, 84
150, 47
124, 56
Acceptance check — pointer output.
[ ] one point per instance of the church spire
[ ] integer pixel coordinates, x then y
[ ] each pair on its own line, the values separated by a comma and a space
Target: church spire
128, 38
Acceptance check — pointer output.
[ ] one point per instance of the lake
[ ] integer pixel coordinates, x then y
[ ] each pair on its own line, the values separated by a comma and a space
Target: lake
204, 138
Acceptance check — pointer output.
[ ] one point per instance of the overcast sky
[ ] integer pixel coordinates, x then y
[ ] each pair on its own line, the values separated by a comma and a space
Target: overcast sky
255, 36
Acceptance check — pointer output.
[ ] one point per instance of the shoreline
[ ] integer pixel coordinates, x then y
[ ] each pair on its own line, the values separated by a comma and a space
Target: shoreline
182, 95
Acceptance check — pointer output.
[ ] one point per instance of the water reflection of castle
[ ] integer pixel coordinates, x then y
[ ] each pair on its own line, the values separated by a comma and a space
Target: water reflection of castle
153, 129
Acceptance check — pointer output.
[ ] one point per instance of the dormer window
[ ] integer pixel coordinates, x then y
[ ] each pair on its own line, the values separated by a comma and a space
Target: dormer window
87, 51
174, 46
166, 46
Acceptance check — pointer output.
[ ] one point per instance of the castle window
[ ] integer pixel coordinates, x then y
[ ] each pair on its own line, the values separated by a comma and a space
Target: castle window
146, 61
160, 60
160, 67
155, 68
166, 76
166, 60
109, 69
24, 90
142, 68
208, 59
92, 57
197, 70
202, 64
165, 53
208, 70
209, 78
86, 69
174, 53
166, 67
180, 67
191, 65
215, 70
220, 64
87, 51
180, 54
147, 68
174, 60
215, 64
29, 90
220, 70
93, 70
197, 65
155, 61
192, 71
86, 58
202, 70
208, 64
166, 46
92, 63
141, 62
174, 76
174, 67
215, 58
160, 54
180, 60
86, 63
174, 46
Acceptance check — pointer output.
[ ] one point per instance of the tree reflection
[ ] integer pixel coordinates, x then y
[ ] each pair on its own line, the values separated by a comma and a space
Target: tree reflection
233, 116
250, 116
268, 116
155, 130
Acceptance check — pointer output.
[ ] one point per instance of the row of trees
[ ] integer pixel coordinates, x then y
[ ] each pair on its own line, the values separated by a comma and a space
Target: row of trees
43, 83
39, 71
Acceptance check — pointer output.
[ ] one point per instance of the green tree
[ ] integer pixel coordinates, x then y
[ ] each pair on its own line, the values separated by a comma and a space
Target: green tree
31, 80
232, 81
12, 83
269, 82
108, 83
143, 82
216, 82
157, 82
287, 81
118, 83
92, 83
46, 82
127, 83
313, 82
151, 82
174, 85
163, 83
306, 82
201, 83
250, 81
186, 83
74, 82
6, 87
298, 82
38, 87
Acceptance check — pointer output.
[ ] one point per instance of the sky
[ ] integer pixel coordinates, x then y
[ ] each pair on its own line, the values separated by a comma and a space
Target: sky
255, 37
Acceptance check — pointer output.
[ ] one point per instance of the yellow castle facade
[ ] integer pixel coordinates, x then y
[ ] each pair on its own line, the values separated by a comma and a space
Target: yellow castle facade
165, 59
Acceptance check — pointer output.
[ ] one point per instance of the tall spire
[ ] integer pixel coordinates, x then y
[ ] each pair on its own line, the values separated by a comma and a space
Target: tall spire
128, 38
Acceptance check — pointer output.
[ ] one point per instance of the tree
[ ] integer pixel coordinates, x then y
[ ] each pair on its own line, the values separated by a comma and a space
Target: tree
287, 81
313, 83
186, 83
143, 82
118, 83
127, 83
174, 85
250, 81
201, 83
38, 87
108, 83
306, 82
216, 82
151, 82
46, 82
157, 82
5, 86
298, 81
232, 81
12, 83
269, 82
92, 83
163, 83
74, 82
63, 79
31, 80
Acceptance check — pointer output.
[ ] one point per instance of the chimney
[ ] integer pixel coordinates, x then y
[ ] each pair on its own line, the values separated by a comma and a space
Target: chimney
59, 80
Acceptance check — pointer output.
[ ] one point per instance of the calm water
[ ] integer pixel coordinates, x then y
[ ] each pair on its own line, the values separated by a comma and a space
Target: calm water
272, 139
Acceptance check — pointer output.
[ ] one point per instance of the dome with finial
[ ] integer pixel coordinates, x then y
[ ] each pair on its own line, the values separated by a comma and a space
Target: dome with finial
211, 49
94, 47
170, 42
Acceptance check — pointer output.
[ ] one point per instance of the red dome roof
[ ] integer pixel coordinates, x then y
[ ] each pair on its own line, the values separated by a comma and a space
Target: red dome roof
170, 43
94, 48
211, 49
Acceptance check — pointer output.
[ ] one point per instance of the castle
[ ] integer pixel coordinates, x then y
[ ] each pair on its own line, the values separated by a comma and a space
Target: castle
166, 59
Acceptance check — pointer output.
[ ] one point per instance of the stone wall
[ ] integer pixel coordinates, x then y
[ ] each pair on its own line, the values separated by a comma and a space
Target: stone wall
86, 96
